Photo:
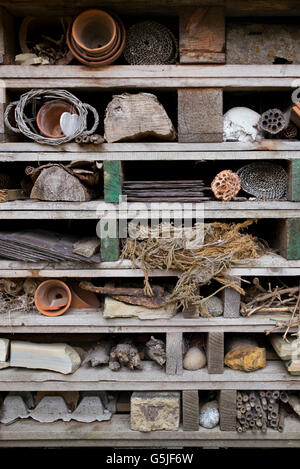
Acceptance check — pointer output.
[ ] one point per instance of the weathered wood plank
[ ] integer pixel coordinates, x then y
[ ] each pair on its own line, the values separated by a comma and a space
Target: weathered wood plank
202, 35
231, 301
215, 352
7, 38
288, 238
200, 115
294, 180
174, 353
190, 410
227, 409
112, 181
110, 245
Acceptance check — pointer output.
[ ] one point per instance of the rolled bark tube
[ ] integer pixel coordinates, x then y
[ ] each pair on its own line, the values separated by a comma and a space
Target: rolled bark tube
274, 415
239, 429
243, 420
245, 398
258, 408
239, 405
249, 415
244, 429
281, 422
264, 428
264, 401
283, 396
248, 407
262, 394
274, 423
275, 394
272, 401
239, 396
265, 407
238, 415
268, 394
243, 409
259, 422
252, 396
251, 423
270, 407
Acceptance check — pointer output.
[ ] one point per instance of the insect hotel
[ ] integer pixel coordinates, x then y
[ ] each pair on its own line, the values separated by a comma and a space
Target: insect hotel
122, 322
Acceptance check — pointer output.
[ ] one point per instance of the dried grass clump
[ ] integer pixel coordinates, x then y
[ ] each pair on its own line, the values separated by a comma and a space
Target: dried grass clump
200, 260
17, 295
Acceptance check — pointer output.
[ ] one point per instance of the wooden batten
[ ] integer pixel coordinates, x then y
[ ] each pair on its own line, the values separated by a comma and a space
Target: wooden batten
7, 38
231, 301
200, 115
287, 239
202, 35
174, 353
113, 179
227, 409
215, 352
294, 180
190, 410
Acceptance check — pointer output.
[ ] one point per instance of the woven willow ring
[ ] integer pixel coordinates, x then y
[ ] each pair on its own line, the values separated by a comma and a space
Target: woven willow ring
26, 127
264, 180
226, 185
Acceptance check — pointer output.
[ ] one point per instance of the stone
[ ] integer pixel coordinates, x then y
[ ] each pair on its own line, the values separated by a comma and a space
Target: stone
87, 247
4, 349
4, 365
13, 408
194, 359
51, 409
118, 309
152, 411
26, 396
285, 350
55, 357
99, 354
244, 354
136, 117
240, 124
213, 306
91, 409
209, 415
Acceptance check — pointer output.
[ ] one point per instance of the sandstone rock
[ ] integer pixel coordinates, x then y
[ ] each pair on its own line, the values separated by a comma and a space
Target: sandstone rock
245, 355
285, 350
194, 359
213, 306
117, 309
56, 357
155, 411
209, 415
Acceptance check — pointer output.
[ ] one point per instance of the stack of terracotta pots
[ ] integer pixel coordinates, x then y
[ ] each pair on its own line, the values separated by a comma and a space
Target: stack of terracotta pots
96, 37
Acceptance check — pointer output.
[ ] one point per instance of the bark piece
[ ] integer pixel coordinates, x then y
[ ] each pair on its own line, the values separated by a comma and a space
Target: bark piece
91, 409
58, 185
135, 117
245, 355
156, 350
13, 408
155, 411
295, 114
118, 309
125, 354
4, 349
56, 357
99, 354
71, 398
174, 349
51, 409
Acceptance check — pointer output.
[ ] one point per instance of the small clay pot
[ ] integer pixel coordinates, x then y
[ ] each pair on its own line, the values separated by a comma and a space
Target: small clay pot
48, 117
83, 298
94, 31
52, 298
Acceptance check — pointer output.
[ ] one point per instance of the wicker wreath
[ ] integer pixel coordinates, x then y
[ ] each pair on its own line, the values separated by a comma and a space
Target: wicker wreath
264, 180
26, 126
226, 185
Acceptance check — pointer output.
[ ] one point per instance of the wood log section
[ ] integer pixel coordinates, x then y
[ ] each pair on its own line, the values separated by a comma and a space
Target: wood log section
174, 353
57, 185
244, 354
202, 35
227, 409
200, 115
215, 352
134, 117
190, 410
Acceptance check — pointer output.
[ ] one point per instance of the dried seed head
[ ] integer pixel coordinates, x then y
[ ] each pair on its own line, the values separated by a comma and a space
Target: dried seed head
226, 185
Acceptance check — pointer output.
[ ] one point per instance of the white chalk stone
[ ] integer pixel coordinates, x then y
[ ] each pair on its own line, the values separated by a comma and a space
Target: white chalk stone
91, 409
51, 409
117, 309
241, 124
55, 357
4, 349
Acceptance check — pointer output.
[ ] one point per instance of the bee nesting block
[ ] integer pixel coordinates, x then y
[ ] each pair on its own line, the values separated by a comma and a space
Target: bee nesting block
155, 411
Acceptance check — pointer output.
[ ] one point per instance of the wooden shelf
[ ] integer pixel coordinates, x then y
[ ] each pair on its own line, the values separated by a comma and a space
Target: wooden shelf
231, 77
35, 210
92, 321
151, 378
117, 433
156, 151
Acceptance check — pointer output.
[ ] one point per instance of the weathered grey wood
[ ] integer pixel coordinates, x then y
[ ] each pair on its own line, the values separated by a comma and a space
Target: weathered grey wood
231, 301
174, 353
227, 409
200, 115
7, 38
202, 35
215, 352
287, 238
190, 410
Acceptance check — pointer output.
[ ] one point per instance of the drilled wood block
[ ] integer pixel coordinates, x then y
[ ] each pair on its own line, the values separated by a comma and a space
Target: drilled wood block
227, 409
112, 181
215, 352
202, 35
287, 238
231, 301
190, 410
294, 180
200, 115
174, 353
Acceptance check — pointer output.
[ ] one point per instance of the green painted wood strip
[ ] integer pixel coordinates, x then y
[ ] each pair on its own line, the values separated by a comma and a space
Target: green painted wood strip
112, 181
294, 181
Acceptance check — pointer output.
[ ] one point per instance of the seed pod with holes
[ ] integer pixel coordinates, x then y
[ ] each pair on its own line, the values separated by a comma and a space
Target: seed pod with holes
272, 121
226, 185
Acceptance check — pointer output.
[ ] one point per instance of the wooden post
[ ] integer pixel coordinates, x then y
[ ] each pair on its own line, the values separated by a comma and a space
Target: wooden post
112, 181
190, 410
192, 311
215, 352
200, 115
202, 35
287, 238
227, 409
174, 353
7, 38
294, 180
231, 301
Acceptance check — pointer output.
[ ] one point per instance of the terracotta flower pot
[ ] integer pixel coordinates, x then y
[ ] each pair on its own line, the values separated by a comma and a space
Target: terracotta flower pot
48, 117
83, 298
52, 298
94, 31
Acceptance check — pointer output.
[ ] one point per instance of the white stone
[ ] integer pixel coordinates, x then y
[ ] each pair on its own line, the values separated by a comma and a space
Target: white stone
69, 123
13, 408
91, 409
118, 309
194, 359
55, 357
4, 349
241, 124
51, 409
209, 415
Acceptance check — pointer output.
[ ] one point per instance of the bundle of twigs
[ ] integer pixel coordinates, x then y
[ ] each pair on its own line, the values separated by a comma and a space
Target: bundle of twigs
202, 253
